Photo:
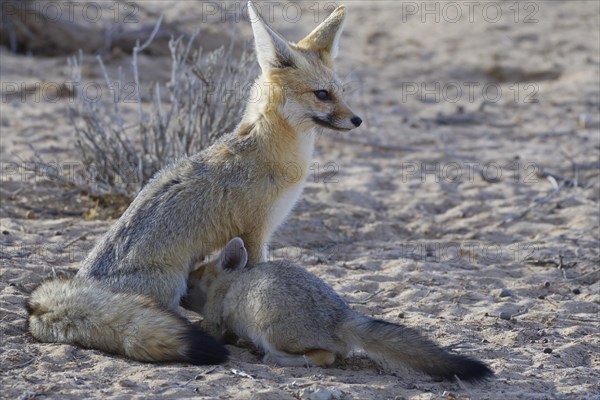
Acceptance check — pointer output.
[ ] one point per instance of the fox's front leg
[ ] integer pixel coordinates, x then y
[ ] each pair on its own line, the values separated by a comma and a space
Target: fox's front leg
256, 246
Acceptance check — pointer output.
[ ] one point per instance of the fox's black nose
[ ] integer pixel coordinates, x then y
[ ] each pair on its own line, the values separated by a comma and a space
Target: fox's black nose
356, 120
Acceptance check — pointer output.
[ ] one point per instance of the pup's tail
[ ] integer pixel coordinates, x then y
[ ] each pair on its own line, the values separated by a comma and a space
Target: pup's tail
87, 314
398, 344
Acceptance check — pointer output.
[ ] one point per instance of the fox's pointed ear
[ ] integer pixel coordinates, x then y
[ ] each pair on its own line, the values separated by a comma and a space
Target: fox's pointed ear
325, 37
272, 49
233, 255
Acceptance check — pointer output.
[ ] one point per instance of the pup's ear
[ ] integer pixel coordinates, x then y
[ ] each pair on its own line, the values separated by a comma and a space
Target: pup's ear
233, 255
272, 50
325, 37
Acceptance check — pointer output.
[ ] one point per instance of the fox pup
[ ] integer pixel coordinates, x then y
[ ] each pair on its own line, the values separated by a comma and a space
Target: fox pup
297, 319
124, 297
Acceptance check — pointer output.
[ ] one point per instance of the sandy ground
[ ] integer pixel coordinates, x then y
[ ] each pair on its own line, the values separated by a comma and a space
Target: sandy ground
444, 210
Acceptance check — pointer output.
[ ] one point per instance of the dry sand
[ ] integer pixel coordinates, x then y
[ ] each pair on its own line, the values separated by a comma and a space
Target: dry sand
385, 222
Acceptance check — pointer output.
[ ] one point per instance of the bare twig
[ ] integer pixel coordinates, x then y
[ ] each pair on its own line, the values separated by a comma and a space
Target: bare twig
70, 242
366, 299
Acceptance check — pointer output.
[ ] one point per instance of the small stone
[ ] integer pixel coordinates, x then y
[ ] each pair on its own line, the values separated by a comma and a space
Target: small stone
547, 284
320, 393
505, 315
126, 383
576, 291
547, 350
5, 232
505, 293
401, 315
541, 297
584, 121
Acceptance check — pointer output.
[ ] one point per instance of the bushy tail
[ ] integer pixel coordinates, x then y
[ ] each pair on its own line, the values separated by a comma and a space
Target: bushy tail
85, 313
398, 344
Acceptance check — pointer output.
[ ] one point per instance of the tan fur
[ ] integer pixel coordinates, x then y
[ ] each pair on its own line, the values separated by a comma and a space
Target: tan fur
324, 39
237, 187
321, 358
297, 319
89, 315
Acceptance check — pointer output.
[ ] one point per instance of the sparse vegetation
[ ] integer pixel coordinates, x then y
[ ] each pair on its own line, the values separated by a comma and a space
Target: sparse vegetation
203, 101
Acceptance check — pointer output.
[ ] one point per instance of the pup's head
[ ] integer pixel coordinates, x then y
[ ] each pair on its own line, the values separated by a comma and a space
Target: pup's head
233, 256
299, 77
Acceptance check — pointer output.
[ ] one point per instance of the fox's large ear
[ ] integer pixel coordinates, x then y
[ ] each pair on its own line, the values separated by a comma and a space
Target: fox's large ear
233, 255
272, 49
325, 37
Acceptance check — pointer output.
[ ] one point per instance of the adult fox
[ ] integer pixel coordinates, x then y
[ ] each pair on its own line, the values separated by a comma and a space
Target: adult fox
124, 298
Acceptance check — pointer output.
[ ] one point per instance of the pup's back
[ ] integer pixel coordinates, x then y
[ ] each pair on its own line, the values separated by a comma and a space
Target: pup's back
287, 306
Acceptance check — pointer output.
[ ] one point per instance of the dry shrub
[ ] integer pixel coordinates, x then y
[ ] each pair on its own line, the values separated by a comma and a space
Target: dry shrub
202, 100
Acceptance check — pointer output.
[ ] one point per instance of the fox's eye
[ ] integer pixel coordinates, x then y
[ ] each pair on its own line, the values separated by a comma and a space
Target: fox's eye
323, 95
